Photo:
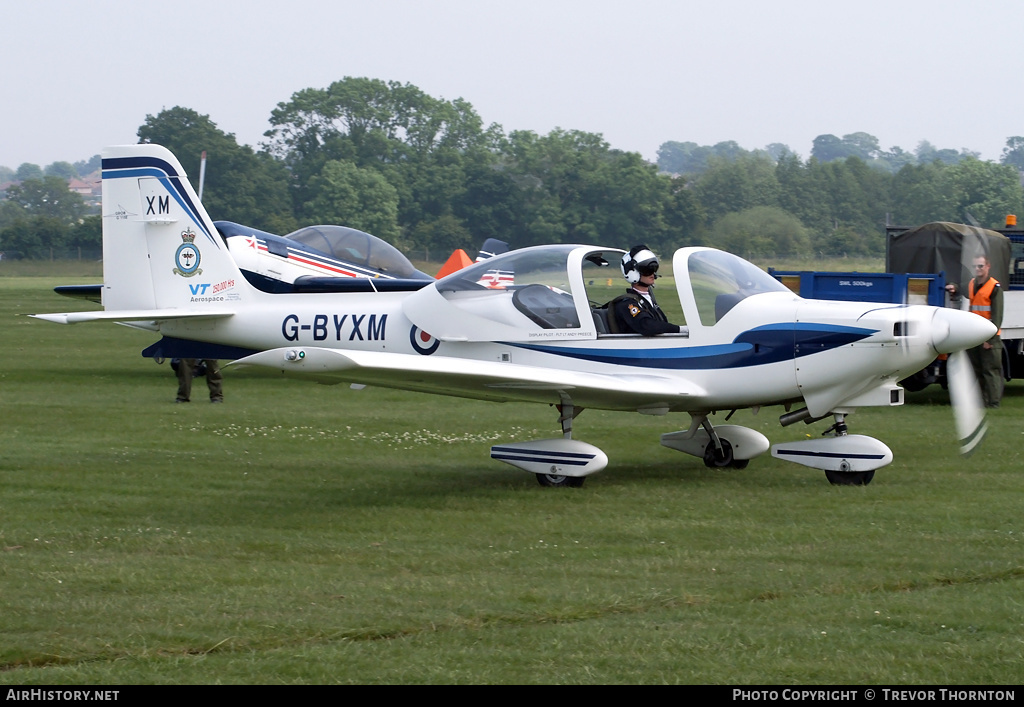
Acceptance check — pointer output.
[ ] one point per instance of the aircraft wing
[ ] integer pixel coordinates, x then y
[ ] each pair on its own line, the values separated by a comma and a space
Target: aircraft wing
129, 315
485, 380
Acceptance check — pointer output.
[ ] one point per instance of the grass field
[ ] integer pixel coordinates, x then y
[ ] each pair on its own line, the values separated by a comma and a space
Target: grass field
309, 534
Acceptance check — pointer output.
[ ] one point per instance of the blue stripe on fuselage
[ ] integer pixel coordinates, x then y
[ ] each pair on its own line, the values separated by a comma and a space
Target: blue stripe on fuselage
762, 345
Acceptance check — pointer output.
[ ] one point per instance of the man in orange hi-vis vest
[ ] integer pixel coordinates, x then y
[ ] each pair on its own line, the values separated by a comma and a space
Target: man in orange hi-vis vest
986, 299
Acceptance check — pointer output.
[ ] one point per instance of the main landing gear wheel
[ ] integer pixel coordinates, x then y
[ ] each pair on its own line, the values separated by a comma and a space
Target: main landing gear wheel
850, 478
713, 459
560, 480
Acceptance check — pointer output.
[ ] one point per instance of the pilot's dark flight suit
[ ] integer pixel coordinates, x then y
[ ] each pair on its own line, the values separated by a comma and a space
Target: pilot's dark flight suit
635, 315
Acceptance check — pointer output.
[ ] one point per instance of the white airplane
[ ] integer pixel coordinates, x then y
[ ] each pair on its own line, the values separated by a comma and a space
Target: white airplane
312, 253
748, 341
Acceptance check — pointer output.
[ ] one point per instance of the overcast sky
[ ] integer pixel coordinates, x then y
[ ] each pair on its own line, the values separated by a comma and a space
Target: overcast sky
81, 75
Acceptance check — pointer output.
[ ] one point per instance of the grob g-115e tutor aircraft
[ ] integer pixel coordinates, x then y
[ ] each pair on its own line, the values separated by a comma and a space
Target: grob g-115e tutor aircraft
533, 335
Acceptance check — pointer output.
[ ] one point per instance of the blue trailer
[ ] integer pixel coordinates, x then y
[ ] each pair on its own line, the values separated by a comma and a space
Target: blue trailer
884, 287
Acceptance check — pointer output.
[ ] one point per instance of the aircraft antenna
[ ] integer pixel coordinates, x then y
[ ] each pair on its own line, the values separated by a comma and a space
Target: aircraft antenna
202, 173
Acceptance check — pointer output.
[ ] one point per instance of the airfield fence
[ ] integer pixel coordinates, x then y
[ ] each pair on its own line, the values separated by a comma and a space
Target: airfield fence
86, 254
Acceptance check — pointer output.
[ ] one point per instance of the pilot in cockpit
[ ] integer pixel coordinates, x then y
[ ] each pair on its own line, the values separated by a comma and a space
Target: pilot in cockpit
636, 311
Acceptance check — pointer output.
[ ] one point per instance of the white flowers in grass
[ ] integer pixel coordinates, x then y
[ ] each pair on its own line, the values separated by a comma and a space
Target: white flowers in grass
403, 440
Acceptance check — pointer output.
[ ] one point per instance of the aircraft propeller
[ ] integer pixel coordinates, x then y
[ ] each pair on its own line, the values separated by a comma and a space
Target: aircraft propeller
964, 391
965, 399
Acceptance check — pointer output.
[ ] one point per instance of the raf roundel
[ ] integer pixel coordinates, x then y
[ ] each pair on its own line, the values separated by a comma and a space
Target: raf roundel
423, 342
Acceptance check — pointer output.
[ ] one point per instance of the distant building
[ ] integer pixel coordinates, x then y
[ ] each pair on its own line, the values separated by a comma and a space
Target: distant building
90, 187
80, 187
91, 182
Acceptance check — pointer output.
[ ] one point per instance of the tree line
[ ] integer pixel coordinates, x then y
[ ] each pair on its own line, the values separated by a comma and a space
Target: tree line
427, 175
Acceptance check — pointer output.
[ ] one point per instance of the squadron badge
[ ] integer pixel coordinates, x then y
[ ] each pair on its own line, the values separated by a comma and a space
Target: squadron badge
187, 256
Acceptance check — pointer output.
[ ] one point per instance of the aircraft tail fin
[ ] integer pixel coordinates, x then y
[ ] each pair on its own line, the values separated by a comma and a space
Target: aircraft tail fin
491, 248
160, 247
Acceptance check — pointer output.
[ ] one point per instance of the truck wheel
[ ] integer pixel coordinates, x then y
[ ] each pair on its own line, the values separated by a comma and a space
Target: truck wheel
918, 381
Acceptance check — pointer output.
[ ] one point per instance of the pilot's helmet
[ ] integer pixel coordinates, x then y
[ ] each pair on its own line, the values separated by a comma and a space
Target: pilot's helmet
637, 262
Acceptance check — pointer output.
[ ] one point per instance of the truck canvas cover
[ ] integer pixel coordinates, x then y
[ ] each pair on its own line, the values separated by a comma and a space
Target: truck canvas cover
941, 246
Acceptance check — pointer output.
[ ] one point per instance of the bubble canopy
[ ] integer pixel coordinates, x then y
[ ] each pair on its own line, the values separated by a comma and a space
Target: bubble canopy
357, 247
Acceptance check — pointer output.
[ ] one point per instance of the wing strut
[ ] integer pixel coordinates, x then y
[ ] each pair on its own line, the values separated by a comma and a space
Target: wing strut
567, 412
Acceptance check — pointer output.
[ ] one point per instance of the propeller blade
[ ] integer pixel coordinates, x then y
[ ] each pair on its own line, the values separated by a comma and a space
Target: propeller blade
965, 397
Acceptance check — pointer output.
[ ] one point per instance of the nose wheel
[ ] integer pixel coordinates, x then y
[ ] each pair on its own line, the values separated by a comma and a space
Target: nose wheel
843, 476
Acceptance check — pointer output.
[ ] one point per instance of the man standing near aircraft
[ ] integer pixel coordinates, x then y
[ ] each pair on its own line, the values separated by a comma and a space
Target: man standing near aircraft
187, 367
637, 312
986, 298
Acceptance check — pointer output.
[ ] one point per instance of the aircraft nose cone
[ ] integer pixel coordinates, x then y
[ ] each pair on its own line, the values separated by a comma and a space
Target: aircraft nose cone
954, 330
